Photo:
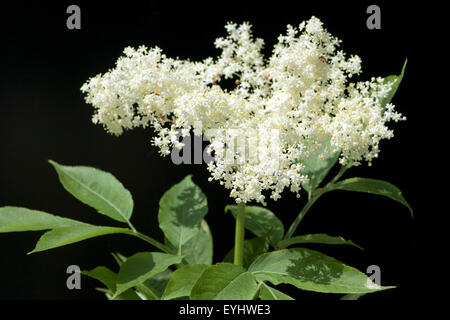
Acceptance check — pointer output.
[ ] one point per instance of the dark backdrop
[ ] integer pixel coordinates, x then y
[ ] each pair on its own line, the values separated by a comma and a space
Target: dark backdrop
43, 116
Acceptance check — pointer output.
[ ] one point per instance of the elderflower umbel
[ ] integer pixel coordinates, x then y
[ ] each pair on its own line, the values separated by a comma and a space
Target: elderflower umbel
283, 106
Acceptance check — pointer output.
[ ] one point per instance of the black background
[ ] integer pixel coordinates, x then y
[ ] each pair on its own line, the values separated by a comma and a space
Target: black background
43, 116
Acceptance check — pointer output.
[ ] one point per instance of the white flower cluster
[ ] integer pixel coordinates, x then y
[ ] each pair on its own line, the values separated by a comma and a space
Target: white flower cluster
301, 93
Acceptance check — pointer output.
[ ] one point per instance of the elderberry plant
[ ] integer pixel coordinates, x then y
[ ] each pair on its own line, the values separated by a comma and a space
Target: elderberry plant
290, 119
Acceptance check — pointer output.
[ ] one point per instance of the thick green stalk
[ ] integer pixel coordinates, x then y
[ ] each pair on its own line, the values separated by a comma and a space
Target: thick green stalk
239, 235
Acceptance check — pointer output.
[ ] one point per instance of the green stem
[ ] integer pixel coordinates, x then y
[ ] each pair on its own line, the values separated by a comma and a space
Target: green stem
131, 226
302, 213
339, 175
312, 197
150, 240
239, 235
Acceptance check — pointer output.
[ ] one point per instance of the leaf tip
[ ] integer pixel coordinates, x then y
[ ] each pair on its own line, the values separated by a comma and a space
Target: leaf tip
53, 163
388, 287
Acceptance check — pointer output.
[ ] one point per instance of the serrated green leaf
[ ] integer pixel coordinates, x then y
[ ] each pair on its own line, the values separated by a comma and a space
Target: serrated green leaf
373, 186
181, 211
252, 249
182, 281
261, 221
66, 235
225, 281
321, 238
98, 189
311, 270
142, 266
268, 293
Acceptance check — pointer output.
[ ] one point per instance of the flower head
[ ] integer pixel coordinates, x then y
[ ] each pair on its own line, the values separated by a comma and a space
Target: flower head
261, 130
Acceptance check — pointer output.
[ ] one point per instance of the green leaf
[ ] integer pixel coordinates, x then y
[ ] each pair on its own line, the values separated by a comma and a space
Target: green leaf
145, 292
109, 278
181, 211
104, 275
319, 163
225, 281
268, 293
396, 79
311, 270
321, 238
352, 296
66, 235
182, 281
142, 266
159, 282
252, 249
14, 219
98, 189
261, 221
373, 186
153, 288
129, 294
119, 258
199, 249
63, 231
